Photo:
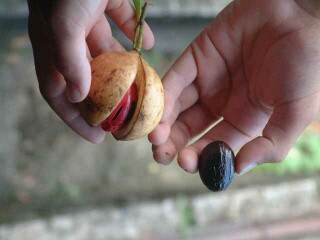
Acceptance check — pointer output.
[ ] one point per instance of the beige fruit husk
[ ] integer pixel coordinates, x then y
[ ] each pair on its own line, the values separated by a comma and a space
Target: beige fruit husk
113, 73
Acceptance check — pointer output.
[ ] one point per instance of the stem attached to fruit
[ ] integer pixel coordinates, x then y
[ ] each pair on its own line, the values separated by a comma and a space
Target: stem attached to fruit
139, 29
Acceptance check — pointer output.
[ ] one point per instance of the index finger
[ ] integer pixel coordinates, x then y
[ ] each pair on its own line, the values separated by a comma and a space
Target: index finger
181, 75
123, 14
178, 78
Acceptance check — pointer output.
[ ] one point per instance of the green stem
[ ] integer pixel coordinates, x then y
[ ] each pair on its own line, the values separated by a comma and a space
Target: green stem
139, 30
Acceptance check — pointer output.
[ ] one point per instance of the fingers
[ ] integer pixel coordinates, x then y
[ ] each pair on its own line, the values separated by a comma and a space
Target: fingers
224, 131
70, 114
68, 23
189, 124
52, 86
286, 124
181, 75
71, 60
202, 64
100, 39
72, 63
123, 14
176, 81
236, 129
188, 97
64, 24
66, 69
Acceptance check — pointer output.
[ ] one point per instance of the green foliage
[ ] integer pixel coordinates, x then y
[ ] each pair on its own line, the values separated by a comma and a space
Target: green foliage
303, 158
66, 193
187, 220
138, 7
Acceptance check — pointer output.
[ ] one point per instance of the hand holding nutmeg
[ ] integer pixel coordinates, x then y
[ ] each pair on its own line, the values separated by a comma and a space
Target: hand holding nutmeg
61, 32
249, 80
126, 94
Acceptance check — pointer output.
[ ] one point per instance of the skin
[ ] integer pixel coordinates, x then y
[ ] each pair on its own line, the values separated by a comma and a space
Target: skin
254, 73
65, 36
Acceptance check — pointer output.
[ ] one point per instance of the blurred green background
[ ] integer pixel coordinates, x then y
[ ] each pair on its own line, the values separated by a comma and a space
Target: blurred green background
47, 170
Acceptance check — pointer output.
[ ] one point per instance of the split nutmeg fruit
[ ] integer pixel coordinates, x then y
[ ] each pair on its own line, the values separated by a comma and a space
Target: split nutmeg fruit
117, 77
126, 94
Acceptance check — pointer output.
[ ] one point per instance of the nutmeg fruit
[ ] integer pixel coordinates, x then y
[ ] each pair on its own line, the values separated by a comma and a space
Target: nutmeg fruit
113, 74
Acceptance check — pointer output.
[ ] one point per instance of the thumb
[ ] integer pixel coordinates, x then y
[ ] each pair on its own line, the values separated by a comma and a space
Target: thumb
72, 62
68, 38
287, 122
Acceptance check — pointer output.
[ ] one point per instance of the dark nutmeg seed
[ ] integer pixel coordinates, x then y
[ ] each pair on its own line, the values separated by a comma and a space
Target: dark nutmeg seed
217, 166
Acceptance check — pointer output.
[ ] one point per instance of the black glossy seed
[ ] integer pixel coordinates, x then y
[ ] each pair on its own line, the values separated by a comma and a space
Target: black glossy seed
217, 166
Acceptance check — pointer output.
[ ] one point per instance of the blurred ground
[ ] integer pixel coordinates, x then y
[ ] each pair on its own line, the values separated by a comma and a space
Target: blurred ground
275, 212
47, 170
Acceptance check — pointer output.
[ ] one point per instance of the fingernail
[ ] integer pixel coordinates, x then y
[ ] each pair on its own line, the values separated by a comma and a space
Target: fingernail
248, 169
74, 94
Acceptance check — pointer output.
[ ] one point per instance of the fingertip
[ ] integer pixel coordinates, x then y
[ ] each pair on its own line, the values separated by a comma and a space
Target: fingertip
188, 160
94, 135
244, 159
71, 61
164, 154
160, 158
247, 168
148, 39
97, 135
78, 86
147, 46
99, 138
160, 134
254, 153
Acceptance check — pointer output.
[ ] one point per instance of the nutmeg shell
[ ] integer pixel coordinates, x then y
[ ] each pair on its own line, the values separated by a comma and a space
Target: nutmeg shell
217, 166
113, 73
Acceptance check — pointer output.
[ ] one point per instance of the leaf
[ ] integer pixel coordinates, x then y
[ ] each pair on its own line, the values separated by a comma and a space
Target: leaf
138, 7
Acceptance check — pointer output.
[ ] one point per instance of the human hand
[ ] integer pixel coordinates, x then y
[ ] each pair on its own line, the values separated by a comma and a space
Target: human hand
65, 35
257, 69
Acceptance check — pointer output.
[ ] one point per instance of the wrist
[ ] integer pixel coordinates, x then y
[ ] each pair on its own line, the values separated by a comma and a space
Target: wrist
310, 6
